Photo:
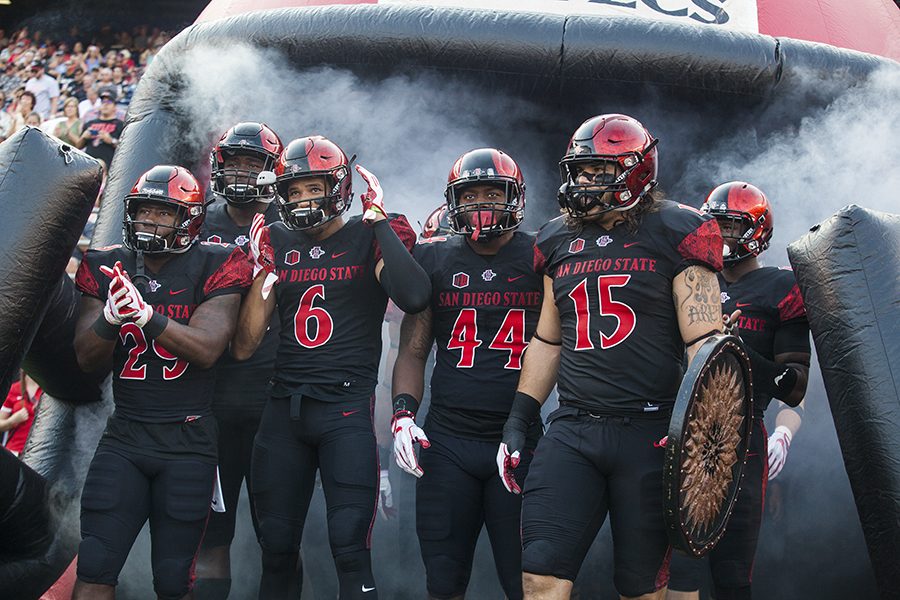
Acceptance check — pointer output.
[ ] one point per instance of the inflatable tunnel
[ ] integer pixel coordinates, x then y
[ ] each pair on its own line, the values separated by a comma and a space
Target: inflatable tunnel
507, 76
855, 322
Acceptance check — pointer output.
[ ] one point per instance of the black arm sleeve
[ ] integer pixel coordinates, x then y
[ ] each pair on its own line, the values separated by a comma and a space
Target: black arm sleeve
402, 278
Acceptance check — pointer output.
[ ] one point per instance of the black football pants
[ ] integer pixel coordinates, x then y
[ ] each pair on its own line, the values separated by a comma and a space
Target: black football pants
337, 439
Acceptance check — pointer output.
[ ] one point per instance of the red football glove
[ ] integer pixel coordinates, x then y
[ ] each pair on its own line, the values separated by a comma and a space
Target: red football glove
373, 199
406, 435
262, 256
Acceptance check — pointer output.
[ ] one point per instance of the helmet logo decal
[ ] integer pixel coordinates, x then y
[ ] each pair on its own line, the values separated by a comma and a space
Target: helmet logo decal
460, 280
604, 240
316, 252
292, 257
576, 246
488, 275
152, 191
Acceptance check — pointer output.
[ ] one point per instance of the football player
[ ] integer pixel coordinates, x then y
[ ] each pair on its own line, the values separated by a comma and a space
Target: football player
629, 284
486, 298
158, 310
764, 307
241, 387
334, 277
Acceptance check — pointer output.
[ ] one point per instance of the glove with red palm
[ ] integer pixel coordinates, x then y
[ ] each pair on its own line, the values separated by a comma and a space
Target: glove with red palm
262, 256
373, 199
524, 411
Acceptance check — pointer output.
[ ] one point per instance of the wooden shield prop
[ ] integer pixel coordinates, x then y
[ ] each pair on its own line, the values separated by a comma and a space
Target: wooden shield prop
706, 451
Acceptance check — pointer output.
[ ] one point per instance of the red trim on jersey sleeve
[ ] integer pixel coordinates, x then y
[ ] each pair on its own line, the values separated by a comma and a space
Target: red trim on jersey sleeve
85, 280
791, 306
704, 245
403, 230
539, 260
235, 272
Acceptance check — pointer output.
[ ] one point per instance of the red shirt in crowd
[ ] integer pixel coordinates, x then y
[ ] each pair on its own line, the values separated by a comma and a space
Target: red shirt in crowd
14, 439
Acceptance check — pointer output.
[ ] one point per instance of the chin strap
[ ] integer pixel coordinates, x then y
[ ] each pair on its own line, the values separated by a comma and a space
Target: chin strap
140, 276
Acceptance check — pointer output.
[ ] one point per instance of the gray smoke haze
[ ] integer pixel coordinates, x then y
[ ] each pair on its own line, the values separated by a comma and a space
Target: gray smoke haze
408, 129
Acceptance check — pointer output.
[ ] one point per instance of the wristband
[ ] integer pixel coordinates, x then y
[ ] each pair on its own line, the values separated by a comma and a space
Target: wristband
104, 329
405, 405
156, 325
702, 337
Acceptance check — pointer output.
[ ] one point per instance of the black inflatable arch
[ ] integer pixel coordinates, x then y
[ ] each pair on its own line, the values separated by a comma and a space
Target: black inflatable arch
557, 61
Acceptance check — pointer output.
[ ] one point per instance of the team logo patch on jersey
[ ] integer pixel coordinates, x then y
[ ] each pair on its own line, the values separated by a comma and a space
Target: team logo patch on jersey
576, 246
604, 240
154, 285
725, 297
488, 275
241, 239
316, 252
292, 257
460, 280
214, 239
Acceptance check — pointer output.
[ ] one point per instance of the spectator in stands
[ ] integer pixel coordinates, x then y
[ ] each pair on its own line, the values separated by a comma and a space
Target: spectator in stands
10, 79
89, 108
45, 90
17, 412
92, 59
33, 119
69, 130
6, 121
76, 86
24, 106
101, 135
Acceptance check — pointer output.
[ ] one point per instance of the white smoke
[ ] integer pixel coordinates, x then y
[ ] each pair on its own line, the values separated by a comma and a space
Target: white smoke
407, 129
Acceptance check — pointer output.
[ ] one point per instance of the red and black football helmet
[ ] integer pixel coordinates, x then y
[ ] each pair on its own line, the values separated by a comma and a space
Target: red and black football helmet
238, 186
608, 138
437, 224
479, 220
172, 186
743, 208
313, 156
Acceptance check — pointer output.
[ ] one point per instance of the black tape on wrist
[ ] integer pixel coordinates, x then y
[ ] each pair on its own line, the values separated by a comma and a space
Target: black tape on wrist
156, 325
104, 329
405, 405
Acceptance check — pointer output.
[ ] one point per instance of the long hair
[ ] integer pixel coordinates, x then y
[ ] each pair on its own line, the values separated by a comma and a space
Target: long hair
631, 217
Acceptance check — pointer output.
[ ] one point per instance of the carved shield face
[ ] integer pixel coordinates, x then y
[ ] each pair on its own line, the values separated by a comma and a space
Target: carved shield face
709, 436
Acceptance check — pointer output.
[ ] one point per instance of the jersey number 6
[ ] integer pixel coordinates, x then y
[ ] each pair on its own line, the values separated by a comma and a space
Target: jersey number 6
322, 326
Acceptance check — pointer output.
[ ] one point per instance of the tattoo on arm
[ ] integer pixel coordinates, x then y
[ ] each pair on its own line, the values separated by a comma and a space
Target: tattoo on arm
696, 296
415, 333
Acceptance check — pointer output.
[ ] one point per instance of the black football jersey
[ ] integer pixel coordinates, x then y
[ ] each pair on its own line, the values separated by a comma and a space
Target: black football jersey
622, 350
150, 384
768, 298
242, 384
331, 308
484, 311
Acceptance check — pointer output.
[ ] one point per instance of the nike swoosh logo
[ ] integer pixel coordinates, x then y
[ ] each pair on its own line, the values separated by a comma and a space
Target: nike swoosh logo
629, 244
338, 255
365, 589
176, 292
739, 304
347, 413
511, 279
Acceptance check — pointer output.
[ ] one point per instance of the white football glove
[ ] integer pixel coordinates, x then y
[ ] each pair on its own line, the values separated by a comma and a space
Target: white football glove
779, 443
406, 434
373, 199
386, 497
262, 256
